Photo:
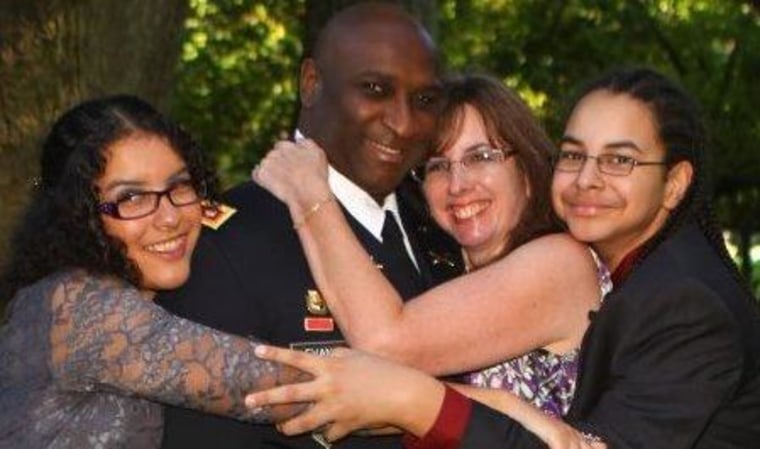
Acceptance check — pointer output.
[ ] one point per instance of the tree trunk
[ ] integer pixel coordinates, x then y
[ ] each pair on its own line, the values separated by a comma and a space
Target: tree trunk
54, 53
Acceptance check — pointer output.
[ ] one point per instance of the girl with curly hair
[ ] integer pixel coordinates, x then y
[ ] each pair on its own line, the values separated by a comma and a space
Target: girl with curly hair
86, 355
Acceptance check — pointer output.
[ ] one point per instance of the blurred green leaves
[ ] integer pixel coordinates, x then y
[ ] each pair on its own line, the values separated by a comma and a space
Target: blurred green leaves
237, 87
237, 84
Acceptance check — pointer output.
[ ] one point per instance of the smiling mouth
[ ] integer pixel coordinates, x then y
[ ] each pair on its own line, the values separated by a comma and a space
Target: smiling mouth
386, 152
587, 210
469, 210
168, 246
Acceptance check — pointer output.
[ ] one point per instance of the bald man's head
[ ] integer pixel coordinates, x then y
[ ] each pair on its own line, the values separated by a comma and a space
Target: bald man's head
346, 22
370, 94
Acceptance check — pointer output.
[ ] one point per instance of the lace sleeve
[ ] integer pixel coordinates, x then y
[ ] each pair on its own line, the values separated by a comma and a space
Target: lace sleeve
105, 336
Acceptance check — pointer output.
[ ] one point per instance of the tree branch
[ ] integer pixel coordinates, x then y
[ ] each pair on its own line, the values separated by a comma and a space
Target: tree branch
728, 76
667, 46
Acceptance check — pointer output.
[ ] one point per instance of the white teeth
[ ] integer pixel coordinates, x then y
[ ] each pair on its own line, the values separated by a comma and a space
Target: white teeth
385, 148
165, 247
468, 211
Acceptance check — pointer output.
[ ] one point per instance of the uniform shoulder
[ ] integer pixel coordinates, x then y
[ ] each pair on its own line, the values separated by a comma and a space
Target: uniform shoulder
245, 204
249, 197
246, 192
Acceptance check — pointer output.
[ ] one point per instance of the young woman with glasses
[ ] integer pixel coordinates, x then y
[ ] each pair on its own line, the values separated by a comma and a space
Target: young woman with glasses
672, 357
518, 312
85, 354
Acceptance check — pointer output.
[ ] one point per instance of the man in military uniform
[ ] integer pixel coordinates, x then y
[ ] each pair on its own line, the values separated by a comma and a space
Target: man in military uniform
370, 93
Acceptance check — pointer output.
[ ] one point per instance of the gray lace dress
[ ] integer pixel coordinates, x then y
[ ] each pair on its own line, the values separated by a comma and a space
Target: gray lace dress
83, 358
544, 379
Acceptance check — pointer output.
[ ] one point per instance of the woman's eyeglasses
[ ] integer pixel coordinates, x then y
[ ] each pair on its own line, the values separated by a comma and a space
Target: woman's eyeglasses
439, 168
138, 204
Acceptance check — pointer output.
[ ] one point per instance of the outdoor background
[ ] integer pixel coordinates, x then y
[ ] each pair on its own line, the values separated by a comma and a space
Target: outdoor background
227, 70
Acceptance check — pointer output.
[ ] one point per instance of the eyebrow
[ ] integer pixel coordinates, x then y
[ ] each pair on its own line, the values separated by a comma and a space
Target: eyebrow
615, 145
469, 149
570, 139
129, 183
476, 146
374, 74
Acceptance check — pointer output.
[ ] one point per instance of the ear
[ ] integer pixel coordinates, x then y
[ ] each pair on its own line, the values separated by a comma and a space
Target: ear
677, 184
310, 82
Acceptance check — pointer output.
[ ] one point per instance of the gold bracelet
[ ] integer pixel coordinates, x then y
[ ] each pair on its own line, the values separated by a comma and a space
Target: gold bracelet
312, 210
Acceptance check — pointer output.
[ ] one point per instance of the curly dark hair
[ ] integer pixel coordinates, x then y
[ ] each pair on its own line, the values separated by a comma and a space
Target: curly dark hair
681, 129
62, 227
508, 121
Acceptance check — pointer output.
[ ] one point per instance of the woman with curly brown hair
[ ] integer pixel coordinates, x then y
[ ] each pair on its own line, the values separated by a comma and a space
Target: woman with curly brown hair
85, 355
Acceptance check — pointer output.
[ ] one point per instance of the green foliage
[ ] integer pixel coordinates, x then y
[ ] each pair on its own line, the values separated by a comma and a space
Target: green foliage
237, 86
545, 48
238, 80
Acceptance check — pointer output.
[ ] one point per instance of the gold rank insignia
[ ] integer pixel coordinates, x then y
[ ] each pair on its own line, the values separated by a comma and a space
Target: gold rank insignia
315, 303
216, 214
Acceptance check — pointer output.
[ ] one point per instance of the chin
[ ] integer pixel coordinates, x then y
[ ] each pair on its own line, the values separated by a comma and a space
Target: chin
471, 243
167, 280
584, 232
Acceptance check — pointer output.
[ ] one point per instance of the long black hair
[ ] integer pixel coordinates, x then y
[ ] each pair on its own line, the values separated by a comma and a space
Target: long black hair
62, 227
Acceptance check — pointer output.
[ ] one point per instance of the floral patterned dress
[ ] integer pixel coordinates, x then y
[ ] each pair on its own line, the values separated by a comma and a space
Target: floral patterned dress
545, 379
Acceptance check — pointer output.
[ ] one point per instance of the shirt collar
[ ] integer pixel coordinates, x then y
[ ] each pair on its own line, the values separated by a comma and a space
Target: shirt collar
359, 203
362, 206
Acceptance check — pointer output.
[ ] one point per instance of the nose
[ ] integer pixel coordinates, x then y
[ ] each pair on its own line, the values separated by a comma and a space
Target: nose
589, 175
167, 215
458, 179
398, 117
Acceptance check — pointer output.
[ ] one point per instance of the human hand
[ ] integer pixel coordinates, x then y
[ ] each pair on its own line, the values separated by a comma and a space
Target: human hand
554, 432
352, 390
296, 173
560, 435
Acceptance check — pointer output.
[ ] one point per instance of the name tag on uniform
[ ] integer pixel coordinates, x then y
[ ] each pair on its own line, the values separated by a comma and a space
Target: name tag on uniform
324, 347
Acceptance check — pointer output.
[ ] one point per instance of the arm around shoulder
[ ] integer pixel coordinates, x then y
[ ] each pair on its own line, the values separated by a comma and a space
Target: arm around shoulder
107, 333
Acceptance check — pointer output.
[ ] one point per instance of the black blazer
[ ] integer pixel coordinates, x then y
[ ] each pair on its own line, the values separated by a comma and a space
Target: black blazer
250, 278
671, 360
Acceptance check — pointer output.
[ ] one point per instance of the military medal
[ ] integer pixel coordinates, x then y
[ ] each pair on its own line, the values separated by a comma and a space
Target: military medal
318, 324
316, 305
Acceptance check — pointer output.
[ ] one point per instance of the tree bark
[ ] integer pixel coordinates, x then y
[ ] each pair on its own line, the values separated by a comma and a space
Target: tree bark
54, 53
